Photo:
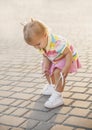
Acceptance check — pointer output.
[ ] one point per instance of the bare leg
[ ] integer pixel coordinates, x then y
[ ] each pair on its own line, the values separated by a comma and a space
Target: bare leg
59, 88
48, 78
56, 98
52, 79
46, 67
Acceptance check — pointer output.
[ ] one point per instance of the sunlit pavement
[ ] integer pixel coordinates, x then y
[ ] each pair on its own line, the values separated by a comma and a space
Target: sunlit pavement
21, 81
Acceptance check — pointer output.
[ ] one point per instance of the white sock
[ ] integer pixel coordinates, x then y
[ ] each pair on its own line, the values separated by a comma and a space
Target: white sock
58, 93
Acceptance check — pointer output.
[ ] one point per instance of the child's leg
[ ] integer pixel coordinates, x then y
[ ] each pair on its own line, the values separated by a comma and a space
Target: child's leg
52, 79
45, 68
56, 99
49, 88
48, 77
59, 87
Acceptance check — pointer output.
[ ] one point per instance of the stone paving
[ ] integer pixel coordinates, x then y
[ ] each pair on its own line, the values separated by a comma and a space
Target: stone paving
21, 81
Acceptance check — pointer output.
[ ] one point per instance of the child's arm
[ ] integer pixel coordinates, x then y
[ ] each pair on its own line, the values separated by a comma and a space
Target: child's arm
46, 64
68, 55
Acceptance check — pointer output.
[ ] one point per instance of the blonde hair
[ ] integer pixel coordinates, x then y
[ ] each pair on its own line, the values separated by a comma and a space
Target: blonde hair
34, 28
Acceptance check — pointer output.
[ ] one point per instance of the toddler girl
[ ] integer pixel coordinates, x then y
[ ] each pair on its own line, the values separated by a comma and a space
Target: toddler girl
59, 59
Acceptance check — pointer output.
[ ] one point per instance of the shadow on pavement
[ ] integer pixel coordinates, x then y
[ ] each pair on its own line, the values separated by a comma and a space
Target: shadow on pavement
39, 117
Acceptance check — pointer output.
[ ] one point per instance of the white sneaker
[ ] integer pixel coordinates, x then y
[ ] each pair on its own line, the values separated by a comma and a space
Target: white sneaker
48, 89
55, 100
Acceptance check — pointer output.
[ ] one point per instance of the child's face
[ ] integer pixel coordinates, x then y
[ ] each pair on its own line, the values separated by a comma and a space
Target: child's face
39, 42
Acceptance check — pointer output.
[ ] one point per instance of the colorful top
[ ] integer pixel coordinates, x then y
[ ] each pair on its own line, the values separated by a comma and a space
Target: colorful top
56, 46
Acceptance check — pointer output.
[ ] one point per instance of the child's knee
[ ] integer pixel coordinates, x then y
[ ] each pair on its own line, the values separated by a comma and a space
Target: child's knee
46, 72
46, 69
56, 72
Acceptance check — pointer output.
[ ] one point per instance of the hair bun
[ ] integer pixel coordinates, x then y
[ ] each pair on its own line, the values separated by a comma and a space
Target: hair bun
32, 20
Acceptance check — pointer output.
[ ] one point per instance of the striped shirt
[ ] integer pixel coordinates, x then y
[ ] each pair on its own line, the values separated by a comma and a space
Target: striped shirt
56, 46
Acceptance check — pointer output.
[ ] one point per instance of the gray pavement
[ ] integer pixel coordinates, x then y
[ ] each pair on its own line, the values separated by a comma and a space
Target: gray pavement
21, 82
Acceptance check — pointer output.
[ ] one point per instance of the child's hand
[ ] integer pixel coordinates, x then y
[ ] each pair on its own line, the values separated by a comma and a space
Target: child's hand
45, 72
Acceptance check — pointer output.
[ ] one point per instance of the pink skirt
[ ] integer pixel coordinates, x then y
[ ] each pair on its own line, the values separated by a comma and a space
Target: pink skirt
60, 64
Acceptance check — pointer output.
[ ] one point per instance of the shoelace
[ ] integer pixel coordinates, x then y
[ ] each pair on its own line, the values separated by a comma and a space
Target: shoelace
48, 87
61, 77
53, 98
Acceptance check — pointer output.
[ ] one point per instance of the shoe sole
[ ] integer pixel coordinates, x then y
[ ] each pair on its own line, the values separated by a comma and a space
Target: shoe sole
46, 94
54, 105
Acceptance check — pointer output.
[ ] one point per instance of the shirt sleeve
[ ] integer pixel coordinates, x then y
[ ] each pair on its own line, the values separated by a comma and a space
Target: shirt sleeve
61, 44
